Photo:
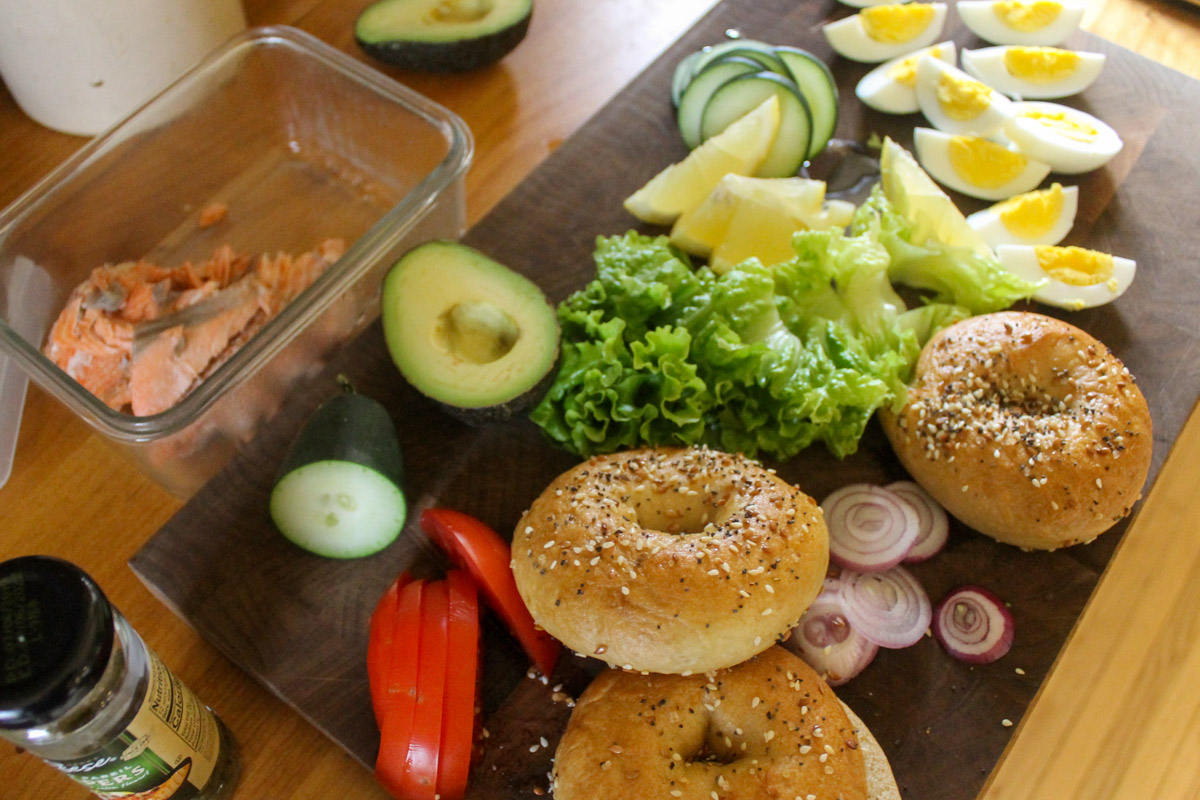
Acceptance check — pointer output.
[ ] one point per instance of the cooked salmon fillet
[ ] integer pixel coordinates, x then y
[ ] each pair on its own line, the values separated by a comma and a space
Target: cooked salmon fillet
93, 338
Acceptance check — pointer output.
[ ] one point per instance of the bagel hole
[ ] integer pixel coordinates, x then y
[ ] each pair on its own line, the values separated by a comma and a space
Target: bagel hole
680, 513
715, 750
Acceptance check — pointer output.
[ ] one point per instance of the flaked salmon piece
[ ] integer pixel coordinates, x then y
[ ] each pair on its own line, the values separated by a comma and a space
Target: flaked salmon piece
92, 340
211, 214
283, 278
166, 367
225, 267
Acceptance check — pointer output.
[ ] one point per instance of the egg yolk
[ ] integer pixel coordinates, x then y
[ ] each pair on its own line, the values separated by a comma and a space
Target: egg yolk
904, 72
1061, 124
982, 163
1027, 17
896, 22
1074, 266
1032, 214
1040, 64
962, 99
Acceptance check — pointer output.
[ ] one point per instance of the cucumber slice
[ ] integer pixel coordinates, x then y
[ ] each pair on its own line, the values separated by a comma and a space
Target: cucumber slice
700, 90
690, 66
338, 492
685, 70
816, 82
742, 94
758, 52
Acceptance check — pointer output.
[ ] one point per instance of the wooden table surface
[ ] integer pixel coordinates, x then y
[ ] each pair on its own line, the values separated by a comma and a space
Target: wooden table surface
1130, 665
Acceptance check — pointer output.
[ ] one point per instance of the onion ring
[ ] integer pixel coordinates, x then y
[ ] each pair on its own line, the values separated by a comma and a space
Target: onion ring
870, 528
828, 643
889, 608
932, 522
973, 625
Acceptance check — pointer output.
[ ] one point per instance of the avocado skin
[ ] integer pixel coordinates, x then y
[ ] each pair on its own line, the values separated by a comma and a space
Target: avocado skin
461, 55
473, 415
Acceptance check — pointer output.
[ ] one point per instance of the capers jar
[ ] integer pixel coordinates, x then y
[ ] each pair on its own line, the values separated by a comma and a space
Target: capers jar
80, 689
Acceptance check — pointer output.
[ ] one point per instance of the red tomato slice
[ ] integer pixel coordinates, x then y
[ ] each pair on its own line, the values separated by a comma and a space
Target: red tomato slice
486, 557
458, 711
379, 644
399, 700
424, 748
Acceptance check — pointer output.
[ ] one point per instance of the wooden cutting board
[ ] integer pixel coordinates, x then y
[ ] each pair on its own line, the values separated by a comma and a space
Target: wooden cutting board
297, 623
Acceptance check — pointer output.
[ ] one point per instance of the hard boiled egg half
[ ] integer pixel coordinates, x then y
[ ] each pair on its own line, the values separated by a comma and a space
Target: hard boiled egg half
976, 166
1042, 22
1069, 140
1033, 72
892, 86
1075, 277
955, 102
884, 32
1043, 216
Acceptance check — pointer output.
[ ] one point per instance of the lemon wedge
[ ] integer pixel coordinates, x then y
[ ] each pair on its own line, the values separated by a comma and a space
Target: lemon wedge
739, 149
756, 230
929, 210
748, 217
699, 230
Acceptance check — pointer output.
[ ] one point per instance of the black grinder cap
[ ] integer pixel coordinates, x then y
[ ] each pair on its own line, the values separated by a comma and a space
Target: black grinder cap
56, 637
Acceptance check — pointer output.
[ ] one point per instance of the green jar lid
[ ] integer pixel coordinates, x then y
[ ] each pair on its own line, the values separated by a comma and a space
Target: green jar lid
56, 636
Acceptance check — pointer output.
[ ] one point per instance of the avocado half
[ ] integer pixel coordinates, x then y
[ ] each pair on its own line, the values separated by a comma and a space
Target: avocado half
442, 35
468, 332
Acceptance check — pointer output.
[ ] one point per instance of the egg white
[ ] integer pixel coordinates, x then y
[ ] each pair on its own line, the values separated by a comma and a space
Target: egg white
991, 120
987, 64
1022, 260
989, 223
980, 18
869, 3
849, 38
933, 153
880, 91
1065, 154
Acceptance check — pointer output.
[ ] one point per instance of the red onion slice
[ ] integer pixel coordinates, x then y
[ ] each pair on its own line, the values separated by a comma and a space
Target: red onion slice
888, 608
828, 643
870, 528
933, 525
973, 625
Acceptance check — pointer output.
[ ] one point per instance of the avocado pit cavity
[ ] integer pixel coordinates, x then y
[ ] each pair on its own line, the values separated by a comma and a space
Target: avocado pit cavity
477, 332
460, 11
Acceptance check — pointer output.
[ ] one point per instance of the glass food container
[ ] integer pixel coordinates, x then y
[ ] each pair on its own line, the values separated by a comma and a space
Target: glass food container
297, 142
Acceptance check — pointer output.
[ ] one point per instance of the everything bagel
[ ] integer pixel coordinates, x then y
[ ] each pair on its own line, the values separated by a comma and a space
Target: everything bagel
670, 560
766, 728
1026, 428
